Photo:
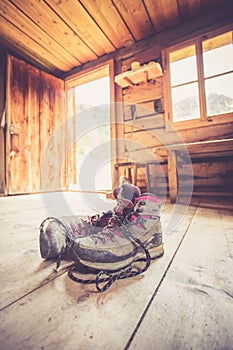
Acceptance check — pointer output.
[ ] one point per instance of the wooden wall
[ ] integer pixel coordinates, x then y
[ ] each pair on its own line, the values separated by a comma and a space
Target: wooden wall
143, 124
38, 106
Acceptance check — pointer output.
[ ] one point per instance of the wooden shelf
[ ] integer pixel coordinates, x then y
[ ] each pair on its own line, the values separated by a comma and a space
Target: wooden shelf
144, 73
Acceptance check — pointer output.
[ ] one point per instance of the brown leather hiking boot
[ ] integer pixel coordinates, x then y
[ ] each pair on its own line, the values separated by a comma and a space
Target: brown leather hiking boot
117, 246
57, 233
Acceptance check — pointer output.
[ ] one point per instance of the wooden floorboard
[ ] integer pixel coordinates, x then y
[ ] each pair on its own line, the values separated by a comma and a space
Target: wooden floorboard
22, 269
194, 306
45, 310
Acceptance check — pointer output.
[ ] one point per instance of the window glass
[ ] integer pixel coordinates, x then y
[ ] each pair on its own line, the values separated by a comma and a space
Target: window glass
218, 55
185, 102
201, 81
219, 94
183, 66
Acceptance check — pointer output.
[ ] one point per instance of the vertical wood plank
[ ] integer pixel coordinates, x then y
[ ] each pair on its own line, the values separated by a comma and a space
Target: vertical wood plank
71, 136
32, 119
52, 132
172, 175
14, 114
115, 98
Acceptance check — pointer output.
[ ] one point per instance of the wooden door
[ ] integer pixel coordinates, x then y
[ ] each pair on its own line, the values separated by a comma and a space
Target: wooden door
22, 127
34, 110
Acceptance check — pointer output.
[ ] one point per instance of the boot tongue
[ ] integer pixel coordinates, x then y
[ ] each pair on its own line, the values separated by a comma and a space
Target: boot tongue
125, 196
123, 204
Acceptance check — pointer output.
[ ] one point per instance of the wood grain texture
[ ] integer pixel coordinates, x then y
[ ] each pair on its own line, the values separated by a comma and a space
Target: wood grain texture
70, 137
156, 14
23, 113
146, 131
172, 176
31, 48
35, 113
193, 308
109, 20
145, 92
52, 132
57, 52
21, 217
171, 12
54, 26
60, 313
88, 34
64, 36
2, 129
136, 17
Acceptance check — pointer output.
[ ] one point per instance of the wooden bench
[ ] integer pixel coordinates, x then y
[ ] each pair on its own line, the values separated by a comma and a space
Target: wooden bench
191, 150
172, 154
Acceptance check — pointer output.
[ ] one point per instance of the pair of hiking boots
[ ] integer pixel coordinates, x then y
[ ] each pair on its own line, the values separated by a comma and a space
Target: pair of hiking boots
111, 242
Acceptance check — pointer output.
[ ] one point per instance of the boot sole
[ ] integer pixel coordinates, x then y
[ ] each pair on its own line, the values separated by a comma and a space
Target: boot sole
155, 253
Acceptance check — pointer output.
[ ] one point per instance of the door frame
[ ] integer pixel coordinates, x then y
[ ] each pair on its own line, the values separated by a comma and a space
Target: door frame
82, 77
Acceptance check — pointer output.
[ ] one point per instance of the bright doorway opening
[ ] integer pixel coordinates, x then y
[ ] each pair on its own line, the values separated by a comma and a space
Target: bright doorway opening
91, 101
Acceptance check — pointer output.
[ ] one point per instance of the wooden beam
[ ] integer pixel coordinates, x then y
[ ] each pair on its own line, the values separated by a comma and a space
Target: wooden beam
147, 92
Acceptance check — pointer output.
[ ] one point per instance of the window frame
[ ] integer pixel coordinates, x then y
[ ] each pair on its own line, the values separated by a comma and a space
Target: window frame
204, 120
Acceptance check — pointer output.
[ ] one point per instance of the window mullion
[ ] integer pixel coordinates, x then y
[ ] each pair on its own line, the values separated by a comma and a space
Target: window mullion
201, 82
183, 84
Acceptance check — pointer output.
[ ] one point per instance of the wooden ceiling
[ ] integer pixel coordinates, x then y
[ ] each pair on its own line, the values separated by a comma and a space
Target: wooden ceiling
59, 35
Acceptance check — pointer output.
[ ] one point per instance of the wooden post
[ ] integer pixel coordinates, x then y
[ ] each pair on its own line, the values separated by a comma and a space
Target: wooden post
135, 174
147, 177
172, 175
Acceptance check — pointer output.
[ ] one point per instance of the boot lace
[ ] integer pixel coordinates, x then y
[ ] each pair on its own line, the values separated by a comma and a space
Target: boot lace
104, 279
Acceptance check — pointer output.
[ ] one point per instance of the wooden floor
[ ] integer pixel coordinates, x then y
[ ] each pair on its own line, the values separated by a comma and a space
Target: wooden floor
184, 300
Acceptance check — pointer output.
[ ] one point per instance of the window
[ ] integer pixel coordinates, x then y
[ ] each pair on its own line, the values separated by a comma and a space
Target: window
200, 78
